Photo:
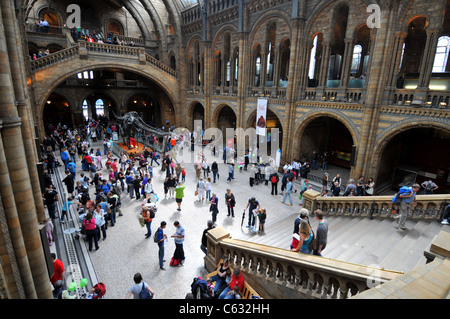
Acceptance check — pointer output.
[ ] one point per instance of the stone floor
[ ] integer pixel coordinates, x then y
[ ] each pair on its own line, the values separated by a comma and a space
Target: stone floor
126, 251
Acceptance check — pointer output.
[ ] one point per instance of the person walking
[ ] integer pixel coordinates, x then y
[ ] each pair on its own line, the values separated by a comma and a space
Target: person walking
146, 214
179, 240
201, 190
213, 208
58, 270
230, 202
405, 206
161, 238
215, 171
321, 232
288, 191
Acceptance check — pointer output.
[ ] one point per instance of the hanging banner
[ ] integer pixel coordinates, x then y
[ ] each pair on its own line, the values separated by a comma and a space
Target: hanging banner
261, 113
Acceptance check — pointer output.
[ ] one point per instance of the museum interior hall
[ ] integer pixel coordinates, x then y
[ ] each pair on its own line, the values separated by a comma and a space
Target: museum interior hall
354, 88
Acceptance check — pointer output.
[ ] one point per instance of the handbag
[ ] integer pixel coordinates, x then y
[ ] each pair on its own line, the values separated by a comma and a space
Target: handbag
314, 244
196, 192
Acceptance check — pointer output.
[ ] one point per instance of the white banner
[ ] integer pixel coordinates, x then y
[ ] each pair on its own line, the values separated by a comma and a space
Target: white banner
261, 113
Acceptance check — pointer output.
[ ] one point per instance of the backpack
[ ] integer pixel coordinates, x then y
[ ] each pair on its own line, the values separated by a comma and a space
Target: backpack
155, 236
144, 294
397, 199
152, 213
429, 187
274, 179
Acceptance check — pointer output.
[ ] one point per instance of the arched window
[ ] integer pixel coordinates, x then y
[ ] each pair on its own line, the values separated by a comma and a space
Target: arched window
85, 110
356, 59
441, 57
99, 107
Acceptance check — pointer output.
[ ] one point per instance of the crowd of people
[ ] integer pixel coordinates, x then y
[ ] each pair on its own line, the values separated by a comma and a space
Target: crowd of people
111, 177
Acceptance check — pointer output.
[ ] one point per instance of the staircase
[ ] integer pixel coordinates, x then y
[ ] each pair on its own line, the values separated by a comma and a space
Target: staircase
361, 240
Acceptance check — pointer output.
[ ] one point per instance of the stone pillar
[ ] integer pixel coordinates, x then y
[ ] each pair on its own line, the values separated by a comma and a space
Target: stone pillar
394, 69
323, 73
214, 255
17, 62
426, 64
16, 163
208, 82
346, 66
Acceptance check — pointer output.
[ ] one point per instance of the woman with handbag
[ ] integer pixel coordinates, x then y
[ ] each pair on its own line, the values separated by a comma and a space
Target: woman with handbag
305, 240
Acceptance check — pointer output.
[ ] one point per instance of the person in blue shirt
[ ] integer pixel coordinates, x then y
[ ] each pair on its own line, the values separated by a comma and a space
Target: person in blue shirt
65, 157
66, 208
161, 237
72, 168
106, 187
405, 205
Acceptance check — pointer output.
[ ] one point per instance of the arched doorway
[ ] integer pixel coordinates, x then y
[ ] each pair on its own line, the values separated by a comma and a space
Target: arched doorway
57, 110
414, 156
198, 114
272, 123
226, 118
330, 135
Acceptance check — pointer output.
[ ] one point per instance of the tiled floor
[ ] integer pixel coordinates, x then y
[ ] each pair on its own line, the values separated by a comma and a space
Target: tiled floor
126, 251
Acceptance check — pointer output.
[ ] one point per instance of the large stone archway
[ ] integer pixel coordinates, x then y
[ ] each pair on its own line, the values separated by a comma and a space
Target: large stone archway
417, 147
304, 121
45, 81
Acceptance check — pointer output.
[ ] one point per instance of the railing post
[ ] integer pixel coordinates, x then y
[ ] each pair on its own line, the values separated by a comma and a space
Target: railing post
214, 255
309, 198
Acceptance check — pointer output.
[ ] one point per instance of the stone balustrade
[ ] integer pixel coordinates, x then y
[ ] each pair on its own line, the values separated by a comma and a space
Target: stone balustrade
275, 272
281, 273
84, 49
160, 65
429, 207
57, 57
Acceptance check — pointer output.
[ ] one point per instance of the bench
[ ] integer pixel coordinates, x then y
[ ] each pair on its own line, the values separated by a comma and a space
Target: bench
246, 293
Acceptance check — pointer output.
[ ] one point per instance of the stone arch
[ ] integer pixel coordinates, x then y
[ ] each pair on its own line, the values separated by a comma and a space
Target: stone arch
51, 87
45, 88
110, 21
302, 122
216, 113
307, 118
386, 136
271, 15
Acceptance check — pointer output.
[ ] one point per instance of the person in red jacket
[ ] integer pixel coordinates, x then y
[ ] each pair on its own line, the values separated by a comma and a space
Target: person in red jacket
236, 280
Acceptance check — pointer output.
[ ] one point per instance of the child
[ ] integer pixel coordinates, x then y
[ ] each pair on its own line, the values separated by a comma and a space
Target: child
49, 230
183, 174
262, 219
66, 208
236, 292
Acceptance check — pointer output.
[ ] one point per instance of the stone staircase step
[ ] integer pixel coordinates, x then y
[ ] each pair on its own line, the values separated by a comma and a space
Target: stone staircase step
359, 240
